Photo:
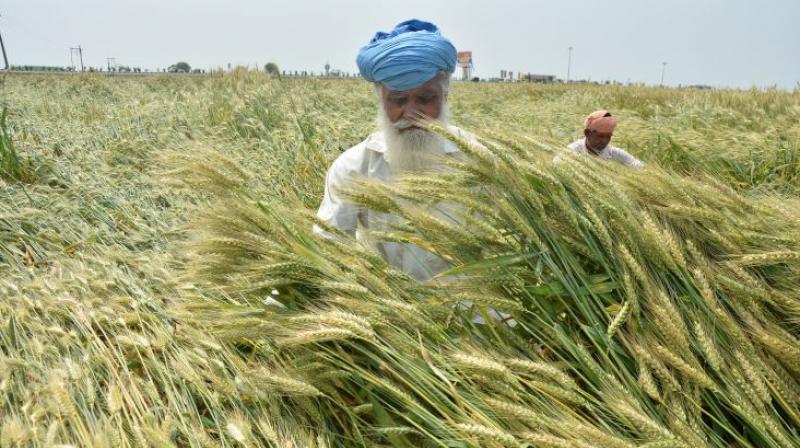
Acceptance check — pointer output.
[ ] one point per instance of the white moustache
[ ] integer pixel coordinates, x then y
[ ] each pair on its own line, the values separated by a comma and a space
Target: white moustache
403, 124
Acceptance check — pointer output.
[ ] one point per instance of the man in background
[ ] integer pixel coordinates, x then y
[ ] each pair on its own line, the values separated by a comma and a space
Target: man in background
598, 128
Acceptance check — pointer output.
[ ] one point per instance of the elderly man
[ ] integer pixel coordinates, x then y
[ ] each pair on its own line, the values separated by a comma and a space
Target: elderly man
598, 129
410, 68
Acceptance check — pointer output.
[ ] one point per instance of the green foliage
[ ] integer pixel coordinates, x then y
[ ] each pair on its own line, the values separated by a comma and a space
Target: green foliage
13, 167
181, 67
272, 68
10, 164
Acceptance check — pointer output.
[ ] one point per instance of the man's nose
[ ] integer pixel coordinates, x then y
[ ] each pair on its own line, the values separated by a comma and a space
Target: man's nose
411, 110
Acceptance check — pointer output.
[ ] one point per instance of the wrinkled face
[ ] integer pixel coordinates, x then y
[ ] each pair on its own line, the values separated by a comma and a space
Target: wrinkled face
597, 141
411, 148
426, 100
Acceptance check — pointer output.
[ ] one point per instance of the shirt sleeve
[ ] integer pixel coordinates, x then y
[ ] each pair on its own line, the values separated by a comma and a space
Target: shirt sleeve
622, 156
466, 136
334, 209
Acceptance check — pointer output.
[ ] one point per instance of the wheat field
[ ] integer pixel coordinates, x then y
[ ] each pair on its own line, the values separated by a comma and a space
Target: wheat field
160, 285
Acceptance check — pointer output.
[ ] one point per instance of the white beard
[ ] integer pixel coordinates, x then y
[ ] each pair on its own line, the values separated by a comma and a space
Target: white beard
412, 151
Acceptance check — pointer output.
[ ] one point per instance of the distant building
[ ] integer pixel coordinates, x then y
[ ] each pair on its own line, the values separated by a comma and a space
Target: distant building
532, 77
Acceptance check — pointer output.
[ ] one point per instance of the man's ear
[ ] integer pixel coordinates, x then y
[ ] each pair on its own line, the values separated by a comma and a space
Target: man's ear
586, 133
444, 81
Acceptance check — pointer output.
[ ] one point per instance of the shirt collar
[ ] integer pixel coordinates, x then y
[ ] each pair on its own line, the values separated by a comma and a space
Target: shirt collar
603, 151
377, 142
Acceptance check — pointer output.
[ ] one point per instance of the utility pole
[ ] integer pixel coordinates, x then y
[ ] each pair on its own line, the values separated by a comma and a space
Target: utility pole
108, 63
5, 58
80, 55
663, 70
569, 63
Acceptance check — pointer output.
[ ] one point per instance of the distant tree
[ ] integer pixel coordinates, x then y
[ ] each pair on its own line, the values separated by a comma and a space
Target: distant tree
180, 67
272, 68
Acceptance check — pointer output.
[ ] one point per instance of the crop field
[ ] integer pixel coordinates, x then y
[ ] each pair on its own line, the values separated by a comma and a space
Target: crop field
160, 284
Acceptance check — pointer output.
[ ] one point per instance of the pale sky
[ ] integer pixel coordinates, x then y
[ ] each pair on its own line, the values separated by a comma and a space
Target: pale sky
724, 43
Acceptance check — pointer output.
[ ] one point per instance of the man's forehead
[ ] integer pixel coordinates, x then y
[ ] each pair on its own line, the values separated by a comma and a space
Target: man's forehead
432, 86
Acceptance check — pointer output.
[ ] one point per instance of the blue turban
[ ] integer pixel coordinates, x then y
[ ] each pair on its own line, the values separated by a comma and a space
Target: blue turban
411, 55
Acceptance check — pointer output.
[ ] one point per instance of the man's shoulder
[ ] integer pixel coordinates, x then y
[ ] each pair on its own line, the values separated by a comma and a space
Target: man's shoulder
375, 142
624, 157
466, 136
461, 133
577, 145
352, 159
618, 152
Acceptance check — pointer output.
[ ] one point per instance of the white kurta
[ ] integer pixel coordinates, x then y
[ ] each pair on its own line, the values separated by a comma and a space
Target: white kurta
368, 159
608, 153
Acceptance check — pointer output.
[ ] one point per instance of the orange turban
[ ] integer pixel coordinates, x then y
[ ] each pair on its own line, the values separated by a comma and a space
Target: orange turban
600, 121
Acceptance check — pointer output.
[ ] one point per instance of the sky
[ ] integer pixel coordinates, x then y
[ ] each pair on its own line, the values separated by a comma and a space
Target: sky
722, 43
